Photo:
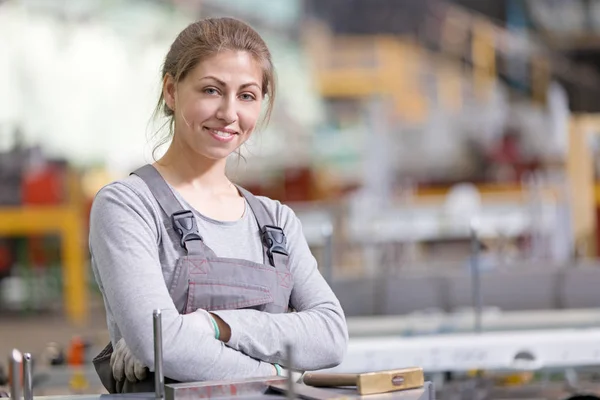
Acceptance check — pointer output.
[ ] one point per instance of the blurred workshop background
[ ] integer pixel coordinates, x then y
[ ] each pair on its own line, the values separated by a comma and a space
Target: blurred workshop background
442, 155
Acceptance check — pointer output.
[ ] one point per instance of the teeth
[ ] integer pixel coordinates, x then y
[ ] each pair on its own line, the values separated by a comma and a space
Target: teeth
223, 134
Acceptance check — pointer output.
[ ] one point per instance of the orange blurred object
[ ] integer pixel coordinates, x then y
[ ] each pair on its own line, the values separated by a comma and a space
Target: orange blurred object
76, 352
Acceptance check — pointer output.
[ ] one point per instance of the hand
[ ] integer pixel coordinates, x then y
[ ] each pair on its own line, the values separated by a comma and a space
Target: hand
124, 364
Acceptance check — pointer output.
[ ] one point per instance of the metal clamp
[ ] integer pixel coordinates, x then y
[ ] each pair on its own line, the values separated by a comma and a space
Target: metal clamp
274, 240
184, 223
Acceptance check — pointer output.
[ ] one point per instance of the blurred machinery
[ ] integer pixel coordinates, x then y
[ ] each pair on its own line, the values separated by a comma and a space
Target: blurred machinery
41, 198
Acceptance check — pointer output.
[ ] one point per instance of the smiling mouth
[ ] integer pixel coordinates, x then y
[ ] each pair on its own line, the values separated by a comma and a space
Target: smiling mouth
224, 135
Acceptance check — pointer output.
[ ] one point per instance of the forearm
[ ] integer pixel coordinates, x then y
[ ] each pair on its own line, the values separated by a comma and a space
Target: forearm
198, 357
317, 330
318, 335
191, 351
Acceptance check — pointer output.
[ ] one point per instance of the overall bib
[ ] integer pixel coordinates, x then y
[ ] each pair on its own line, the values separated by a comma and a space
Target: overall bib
203, 280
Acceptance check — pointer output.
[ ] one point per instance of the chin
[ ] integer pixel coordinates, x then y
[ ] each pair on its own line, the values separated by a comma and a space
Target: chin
215, 155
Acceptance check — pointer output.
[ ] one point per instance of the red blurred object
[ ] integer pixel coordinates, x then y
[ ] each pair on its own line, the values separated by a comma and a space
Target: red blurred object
298, 184
37, 253
43, 186
6, 258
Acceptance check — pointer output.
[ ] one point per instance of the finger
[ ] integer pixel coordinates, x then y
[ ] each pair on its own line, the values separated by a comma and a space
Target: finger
121, 345
144, 373
129, 367
139, 370
118, 366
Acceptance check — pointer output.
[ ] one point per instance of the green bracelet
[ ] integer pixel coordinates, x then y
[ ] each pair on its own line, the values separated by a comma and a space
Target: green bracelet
217, 332
278, 368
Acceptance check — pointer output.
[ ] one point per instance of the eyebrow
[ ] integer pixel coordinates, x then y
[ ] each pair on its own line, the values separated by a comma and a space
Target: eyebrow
220, 82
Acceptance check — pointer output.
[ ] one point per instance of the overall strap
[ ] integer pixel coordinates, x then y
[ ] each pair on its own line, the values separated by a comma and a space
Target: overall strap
272, 236
183, 220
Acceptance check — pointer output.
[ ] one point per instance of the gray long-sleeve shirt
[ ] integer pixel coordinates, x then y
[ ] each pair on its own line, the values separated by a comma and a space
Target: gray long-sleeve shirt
134, 251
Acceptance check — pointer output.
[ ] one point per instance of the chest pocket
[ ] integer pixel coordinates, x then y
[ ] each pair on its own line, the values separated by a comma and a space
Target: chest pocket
214, 283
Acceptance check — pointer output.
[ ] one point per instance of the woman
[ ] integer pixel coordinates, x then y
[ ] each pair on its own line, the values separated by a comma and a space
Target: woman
223, 265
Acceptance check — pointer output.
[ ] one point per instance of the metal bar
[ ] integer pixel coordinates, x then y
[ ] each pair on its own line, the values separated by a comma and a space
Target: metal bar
27, 377
476, 280
291, 395
14, 364
254, 388
159, 379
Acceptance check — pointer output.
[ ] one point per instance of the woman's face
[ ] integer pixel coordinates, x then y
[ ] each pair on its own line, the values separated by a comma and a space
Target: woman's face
218, 103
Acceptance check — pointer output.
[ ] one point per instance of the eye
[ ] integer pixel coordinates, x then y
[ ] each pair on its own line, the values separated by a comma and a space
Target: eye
247, 97
211, 91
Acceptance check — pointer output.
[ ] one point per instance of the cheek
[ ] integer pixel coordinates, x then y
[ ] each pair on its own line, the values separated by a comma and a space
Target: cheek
196, 108
201, 109
249, 117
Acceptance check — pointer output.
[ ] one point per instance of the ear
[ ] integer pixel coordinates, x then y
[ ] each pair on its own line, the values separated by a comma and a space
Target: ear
169, 91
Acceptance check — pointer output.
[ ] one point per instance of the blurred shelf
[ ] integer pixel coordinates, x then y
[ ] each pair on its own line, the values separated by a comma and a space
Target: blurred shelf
512, 192
422, 223
493, 320
66, 220
35, 219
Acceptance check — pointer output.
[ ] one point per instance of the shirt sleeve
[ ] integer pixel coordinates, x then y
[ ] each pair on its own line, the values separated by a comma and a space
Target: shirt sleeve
317, 330
123, 244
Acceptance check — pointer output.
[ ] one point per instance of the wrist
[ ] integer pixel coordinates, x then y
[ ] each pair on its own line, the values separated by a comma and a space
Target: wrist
222, 329
215, 327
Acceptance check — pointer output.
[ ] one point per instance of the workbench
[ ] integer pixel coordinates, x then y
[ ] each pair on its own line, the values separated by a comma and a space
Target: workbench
427, 392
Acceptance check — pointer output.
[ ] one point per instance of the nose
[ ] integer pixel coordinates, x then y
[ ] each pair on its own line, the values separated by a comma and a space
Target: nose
227, 111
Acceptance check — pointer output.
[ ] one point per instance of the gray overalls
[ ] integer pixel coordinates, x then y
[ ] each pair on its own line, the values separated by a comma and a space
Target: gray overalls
203, 280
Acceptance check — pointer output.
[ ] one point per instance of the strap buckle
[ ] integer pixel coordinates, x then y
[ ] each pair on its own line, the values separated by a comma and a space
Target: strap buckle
184, 223
274, 240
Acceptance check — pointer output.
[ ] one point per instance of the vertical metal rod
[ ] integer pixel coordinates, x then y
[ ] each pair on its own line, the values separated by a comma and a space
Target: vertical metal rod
27, 377
14, 369
159, 379
476, 280
327, 231
291, 395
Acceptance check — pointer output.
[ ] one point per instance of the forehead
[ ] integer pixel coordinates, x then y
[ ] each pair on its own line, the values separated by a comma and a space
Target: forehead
234, 68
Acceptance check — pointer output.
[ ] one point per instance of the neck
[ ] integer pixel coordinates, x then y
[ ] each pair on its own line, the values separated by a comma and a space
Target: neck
183, 169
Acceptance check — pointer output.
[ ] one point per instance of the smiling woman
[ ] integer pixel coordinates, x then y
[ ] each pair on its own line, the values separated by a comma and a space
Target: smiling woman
248, 75
222, 98
223, 265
